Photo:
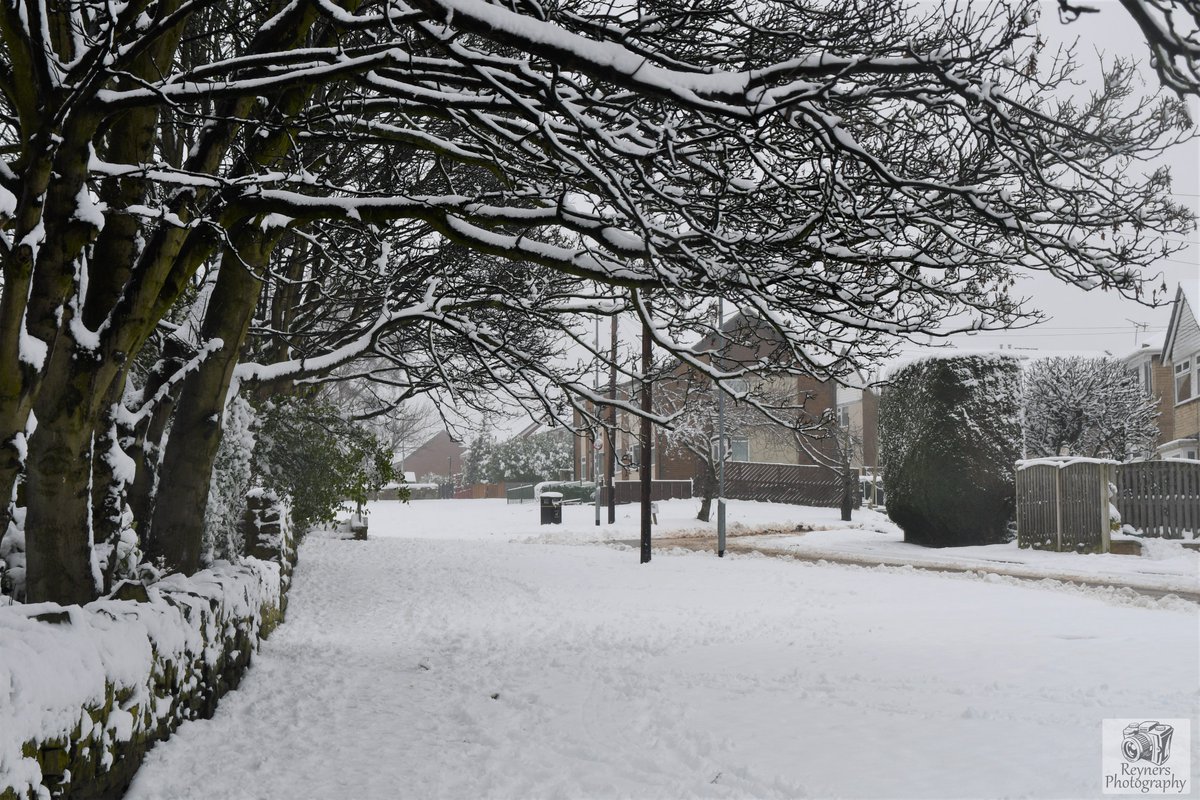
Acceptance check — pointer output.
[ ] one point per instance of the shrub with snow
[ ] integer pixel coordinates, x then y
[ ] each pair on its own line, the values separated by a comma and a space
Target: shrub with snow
12, 555
1092, 407
950, 435
231, 478
540, 457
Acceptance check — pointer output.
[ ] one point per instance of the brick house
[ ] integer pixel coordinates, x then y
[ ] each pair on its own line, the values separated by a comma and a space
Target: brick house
750, 341
1156, 378
858, 412
1181, 353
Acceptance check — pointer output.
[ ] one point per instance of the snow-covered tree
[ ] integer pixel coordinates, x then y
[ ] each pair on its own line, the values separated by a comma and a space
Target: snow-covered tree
331, 172
1092, 407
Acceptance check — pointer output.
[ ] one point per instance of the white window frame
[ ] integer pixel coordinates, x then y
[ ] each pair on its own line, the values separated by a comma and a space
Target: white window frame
1189, 369
733, 448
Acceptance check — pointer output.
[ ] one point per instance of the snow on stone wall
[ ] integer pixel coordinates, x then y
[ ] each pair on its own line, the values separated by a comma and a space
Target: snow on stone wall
85, 691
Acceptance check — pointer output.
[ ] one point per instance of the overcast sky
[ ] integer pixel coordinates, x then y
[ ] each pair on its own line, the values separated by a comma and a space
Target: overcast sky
1096, 321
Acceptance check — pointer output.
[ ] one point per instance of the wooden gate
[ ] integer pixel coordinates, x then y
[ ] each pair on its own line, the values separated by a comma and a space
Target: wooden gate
1063, 505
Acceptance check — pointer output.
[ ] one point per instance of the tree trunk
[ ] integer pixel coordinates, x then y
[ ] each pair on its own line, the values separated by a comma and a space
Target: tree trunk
708, 487
58, 543
177, 530
146, 449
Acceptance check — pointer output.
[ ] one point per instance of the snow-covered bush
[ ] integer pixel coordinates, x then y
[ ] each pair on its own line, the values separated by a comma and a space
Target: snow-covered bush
231, 477
949, 439
1092, 407
540, 457
12, 555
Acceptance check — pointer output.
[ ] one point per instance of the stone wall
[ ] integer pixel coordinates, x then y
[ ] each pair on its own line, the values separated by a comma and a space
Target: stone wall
86, 691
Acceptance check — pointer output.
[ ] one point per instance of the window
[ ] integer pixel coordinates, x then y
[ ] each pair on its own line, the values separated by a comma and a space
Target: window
1184, 388
843, 417
739, 449
1148, 377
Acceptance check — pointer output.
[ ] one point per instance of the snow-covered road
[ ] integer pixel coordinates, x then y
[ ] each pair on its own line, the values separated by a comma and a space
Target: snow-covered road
447, 660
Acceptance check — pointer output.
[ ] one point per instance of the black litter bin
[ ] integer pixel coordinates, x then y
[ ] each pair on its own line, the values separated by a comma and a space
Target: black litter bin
552, 508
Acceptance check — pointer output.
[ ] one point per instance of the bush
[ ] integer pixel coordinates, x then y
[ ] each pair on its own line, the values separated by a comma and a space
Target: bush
309, 452
950, 435
571, 491
541, 457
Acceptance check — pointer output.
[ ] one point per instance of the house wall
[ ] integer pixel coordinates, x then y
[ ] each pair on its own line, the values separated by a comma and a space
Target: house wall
870, 429
1162, 377
1187, 419
1187, 338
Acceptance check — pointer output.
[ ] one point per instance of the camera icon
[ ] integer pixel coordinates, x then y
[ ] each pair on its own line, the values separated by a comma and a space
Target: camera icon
1147, 741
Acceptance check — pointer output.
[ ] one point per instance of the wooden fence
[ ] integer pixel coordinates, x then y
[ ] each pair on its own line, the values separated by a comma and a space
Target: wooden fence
1062, 504
631, 491
787, 483
1160, 498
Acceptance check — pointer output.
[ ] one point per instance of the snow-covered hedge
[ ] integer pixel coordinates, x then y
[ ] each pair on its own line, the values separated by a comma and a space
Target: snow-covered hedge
85, 691
950, 432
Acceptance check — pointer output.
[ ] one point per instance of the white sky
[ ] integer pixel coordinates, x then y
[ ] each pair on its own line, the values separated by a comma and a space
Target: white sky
1096, 321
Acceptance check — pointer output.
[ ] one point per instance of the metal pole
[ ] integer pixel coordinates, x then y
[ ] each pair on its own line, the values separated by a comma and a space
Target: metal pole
720, 440
647, 453
612, 427
596, 438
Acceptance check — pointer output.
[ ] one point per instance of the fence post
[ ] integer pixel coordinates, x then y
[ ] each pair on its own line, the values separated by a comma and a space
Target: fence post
1058, 510
1106, 471
1019, 477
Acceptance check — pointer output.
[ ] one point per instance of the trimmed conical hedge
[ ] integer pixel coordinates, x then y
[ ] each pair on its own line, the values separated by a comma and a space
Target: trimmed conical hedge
950, 435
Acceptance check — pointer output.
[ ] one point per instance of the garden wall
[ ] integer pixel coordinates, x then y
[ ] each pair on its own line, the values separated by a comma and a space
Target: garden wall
85, 691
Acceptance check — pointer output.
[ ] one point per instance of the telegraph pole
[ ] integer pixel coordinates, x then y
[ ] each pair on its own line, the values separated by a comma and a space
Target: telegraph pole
720, 438
596, 439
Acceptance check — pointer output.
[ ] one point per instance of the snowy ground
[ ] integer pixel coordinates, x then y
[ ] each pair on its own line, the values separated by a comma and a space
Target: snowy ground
464, 652
870, 537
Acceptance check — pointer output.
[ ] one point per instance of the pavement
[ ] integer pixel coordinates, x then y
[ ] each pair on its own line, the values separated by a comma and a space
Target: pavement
745, 542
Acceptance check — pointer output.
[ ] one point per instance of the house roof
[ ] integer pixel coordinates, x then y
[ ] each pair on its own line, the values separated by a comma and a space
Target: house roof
1178, 310
1151, 346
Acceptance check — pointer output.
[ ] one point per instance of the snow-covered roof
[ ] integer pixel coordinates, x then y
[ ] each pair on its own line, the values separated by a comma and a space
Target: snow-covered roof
1151, 345
1182, 307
